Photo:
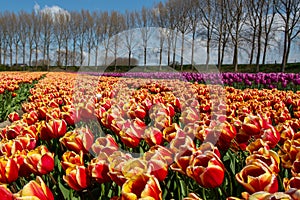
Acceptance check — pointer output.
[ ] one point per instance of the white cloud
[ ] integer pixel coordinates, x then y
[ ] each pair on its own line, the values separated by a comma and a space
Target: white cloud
51, 10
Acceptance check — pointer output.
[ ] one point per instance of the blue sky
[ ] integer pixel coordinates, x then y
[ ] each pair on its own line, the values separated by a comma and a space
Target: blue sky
73, 5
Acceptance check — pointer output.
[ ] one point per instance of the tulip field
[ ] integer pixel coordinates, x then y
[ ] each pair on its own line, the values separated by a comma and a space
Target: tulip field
191, 136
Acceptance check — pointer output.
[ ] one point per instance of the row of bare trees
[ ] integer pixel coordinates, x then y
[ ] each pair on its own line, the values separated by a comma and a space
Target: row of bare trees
229, 26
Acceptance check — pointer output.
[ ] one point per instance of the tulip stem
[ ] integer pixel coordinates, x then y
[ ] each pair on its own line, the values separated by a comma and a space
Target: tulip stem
13, 188
52, 179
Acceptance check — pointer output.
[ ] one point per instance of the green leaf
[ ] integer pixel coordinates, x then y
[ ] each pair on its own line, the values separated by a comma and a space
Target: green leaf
64, 191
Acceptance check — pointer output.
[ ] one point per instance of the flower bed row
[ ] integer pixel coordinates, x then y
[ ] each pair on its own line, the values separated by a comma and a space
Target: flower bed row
14, 87
104, 137
285, 81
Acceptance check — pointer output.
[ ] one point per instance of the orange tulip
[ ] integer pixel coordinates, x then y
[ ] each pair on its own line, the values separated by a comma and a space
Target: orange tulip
35, 190
80, 139
14, 116
116, 163
153, 136
77, 178
98, 168
257, 177
105, 144
289, 152
140, 187
55, 128
70, 159
293, 182
5, 193
206, 169
40, 161
8, 170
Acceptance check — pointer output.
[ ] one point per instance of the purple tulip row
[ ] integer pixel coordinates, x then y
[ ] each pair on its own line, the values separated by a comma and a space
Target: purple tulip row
265, 80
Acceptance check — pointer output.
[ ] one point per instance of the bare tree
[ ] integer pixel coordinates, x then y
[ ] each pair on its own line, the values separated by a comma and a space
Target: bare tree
194, 14
129, 34
29, 21
117, 25
74, 34
172, 31
9, 25
268, 27
221, 30
37, 31
208, 21
89, 24
182, 23
235, 19
289, 11
145, 24
82, 32
59, 25
24, 29
3, 38
106, 35
46, 30
160, 20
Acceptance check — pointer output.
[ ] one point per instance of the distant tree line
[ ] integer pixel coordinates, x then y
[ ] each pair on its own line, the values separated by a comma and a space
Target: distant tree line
228, 25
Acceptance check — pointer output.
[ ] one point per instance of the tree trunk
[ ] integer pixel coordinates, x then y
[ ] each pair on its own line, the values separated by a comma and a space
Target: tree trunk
30, 56
284, 57
96, 56
36, 56
182, 51
207, 49
145, 56
66, 57
235, 57
89, 54
24, 52
258, 46
48, 57
17, 51
193, 49
160, 58
129, 59
10, 55
105, 58
265, 49
252, 47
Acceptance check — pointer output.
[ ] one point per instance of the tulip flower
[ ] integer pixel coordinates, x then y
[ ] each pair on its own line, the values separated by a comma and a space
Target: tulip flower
5, 193
55, 128
105, 144
70, 159
98, 168
31, 117
35, 190
77, 178
293, 182
257, 177
80, 139
40, 161
158, 168
14, 116
14, 130
116, 163
270, 135
221, 134
8, 170
289, 152
153, 136
206, 169
142, 186
268, 157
